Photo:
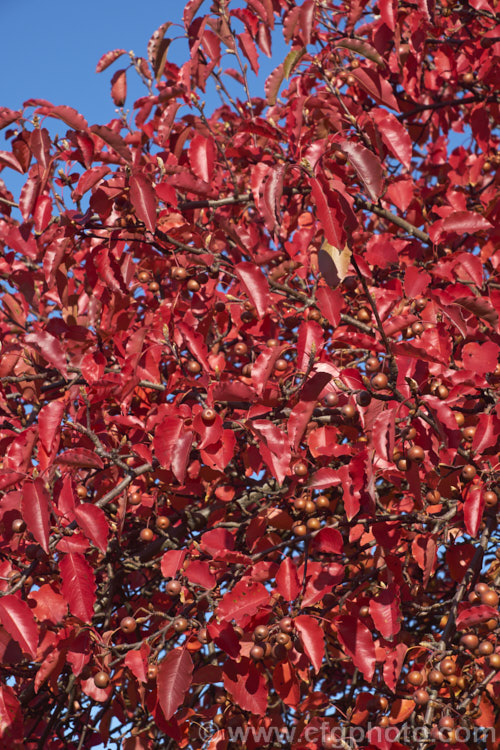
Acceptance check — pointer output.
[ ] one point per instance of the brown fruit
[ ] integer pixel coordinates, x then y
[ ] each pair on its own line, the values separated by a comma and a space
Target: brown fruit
173, 588
322, 502
310, 507
494, 661
146, 535
459, 418
447, 666
470, 641
331, 399
162, 523
180, 624
415, 678
314, 314
421, 697
489, 597
485, 648
435, 677
299, 529
364, 315
101, 679
286, 625
283, 638
81, 491
380, 381
208, 416
416, 453
364, 611
18, 526
372, 364
128, 624
490, 499
469, 432
261, 633
202, 635
193, 367
154, 286
179, 273
468, 78
468, 472
135, 498
281, 364
313, 524
446, 722
384, 722
240, 348
348, 410
363, 398
300, 469
402, 464
219, 306
420, 303
417, 328
143, 276
442, 392
299, 503
193, 285
257, 653
219, 720
152, 671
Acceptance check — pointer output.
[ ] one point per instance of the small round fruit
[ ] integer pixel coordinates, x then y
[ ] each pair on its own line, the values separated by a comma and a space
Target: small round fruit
468, 472
479, 675
180, 624
219, 720
372, 364
81, 491
154, 286
101, 679
300, 469
208, 416
240, 348
415, 678
402, 464
310, 507
435, 677
416, 453
152, 671
179, 273
314, 314
193, 367
442, 392
143, 276
219, 306
261, 633
447, 666
202, 635
281, 364
173, 588
421, 697
279, 652
272, 343
257, 653
485, 648
417, 328
193, 285
364, 315
489, 597
331, 399
420, 303
364, 611
469, 432
384, 722
286, 624
135, 498
146, 535
380, 381
299, 503
446, 722
490, 499
128, 624
470, 641
459, 418
363, 398
18, 526
299, 529
162, 523
348, 410
494, 661
313, 524
283, 638
322, 502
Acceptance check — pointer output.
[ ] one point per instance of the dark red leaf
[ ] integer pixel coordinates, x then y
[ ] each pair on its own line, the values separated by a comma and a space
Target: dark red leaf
255, 285
17, 619
93, 522
357, 642
473, 509
246, 598
174, 680
119, 87
78, 585
80, 457
202, 157
287, 580
108, 58
246, 685
143, 199
367, 166
312, 639
35, 509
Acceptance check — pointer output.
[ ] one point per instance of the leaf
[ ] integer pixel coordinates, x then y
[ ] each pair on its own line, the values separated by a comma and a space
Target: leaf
180, 455
172, 561
327, 208
244, 599
35, 510
49, 423
88, 179
271, 195
473, 509
383, 434
119, 87
393, 664
10, 160
68, 115
273, 83
367, 166
416, 281
78, 585
247, 46
174, 679
309, 343
136, 661
255, 285
80, 457
285, 683
329, 541
108, 59
93, 522
158, 48
378, 87
225, 637
357, 642
330, 301
50, 348
287, 580
334, 267
113, 140
17, 619
143, 199
385, 612
394, 135
292, 60
246, 685
8, 116
469, 616
312, 639
202, 157
487, 432
361, 48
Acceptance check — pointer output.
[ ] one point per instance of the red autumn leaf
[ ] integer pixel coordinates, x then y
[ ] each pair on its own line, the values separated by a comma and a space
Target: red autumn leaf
17, 619
469, 616
119, 87
385, 612
174, 680
473, 509
93, 522
78, 585
246, 685
81, 457
394, 135
328, 540
255, 285
202, 157
357, 642
108, 59
312, 638
49, 423
367, 166
172, 562
143, 199
245, 598
331, 303
35, 510
287, 580
329, 213
136, 661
